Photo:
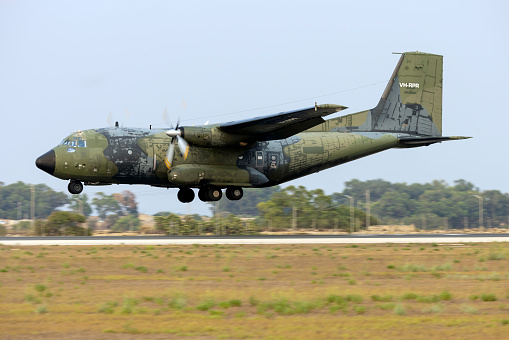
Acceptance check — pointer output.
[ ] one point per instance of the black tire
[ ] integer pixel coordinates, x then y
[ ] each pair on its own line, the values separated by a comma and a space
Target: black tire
234, 193
185, 195
75, 187
210, 194
214, 194
202, 195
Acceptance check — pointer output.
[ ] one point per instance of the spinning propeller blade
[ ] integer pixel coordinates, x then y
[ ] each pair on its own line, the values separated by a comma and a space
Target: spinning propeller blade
176, 138
169, 155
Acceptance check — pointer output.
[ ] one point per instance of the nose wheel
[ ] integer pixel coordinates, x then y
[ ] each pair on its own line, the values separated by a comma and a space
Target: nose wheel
75, 187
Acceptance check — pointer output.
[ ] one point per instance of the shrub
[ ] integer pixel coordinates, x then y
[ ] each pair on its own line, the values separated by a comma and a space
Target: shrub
428, 299
413, 268
335, 299
488, 297
253, 301
410, 296
436, 308
40, 288
387, 306
399, 309
381, 298
360, 309
42, 309
467, 309
445, 295
108, 308
354, 298
206, 305
496, 256
235, 303
178, 301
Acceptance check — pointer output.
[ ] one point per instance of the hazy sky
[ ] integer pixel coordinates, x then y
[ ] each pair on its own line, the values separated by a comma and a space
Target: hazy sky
64, 65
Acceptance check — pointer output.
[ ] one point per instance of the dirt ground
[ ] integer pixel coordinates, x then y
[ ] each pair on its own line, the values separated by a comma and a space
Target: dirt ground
345, 291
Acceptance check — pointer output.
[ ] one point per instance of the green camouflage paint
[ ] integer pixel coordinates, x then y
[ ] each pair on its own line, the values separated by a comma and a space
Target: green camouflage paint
262, 151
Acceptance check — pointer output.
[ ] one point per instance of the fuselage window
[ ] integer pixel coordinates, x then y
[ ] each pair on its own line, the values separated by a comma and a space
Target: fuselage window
82, 144
259, 158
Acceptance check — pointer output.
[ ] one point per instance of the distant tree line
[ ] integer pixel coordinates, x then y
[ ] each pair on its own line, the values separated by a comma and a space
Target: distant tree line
430, 205
435, 205
301, 208
119, 211
62, 223
247, 206
427, 206
217, 225
15, 201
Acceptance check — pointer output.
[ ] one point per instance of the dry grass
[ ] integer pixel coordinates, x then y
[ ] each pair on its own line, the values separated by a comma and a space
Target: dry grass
248, 291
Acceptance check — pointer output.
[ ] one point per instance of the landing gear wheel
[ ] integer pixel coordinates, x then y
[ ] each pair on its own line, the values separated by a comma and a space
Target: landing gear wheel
210, 194
214, 194
202, 195
234, 193
75, 187
185, 195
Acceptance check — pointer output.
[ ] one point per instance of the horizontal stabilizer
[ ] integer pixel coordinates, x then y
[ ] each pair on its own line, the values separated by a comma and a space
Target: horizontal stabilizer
410, 142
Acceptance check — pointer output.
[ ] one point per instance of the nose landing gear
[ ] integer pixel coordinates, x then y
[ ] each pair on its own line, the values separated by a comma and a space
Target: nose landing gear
75, 187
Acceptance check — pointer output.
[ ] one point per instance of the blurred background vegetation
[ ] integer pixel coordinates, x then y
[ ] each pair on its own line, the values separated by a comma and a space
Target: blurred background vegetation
427, 206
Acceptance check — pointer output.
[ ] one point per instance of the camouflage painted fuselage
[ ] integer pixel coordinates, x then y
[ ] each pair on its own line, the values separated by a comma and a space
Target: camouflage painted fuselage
136, 156
260, 151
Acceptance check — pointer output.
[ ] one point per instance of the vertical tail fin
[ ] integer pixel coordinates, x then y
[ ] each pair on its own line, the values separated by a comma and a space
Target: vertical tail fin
410, 104
412, 100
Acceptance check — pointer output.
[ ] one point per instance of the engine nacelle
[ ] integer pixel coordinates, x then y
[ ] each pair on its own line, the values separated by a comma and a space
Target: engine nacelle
208, 137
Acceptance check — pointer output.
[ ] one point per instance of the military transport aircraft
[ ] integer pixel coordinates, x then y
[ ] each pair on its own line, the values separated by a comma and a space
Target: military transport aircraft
261, 151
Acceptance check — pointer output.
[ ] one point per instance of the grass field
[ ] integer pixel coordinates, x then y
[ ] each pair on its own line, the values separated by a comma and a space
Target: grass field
417, 291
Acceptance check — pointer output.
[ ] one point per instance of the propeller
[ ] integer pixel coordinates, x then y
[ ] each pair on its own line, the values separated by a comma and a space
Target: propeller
176, 138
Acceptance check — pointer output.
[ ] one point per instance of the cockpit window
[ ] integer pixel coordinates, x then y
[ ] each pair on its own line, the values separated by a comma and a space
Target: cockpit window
76, 142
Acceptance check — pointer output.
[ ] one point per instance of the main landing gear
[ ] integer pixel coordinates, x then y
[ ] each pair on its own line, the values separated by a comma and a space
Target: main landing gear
234, 193
209, 194
75, 187
185, 195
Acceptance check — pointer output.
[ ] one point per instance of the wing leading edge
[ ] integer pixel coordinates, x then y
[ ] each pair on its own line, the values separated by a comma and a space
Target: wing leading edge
281, 125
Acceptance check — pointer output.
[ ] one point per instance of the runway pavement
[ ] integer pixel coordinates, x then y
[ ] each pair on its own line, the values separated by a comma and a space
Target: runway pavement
257, 239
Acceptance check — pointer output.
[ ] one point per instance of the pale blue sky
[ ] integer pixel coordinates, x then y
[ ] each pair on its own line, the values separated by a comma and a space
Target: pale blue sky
64, 65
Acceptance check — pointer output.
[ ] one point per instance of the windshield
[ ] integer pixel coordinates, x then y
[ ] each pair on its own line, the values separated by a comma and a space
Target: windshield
74, 142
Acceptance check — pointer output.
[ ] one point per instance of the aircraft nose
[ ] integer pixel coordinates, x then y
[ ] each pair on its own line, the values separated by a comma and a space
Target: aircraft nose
46, 162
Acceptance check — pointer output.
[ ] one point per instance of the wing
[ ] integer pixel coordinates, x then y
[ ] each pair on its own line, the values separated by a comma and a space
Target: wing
281, 125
